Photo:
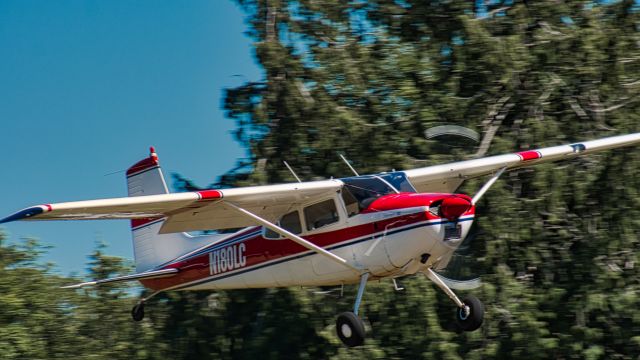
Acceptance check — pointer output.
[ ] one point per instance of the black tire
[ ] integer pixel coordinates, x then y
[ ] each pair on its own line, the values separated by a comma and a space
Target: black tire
137, 313
474, 320
350, 329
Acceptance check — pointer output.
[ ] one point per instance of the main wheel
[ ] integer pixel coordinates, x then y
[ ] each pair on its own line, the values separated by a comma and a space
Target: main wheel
350, 329
472, 320
137, 313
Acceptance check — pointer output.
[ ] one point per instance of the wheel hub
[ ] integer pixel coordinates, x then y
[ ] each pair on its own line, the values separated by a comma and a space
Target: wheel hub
346, 330
464, 312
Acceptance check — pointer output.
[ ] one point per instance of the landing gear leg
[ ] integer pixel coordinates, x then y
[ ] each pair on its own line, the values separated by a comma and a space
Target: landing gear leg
349, 326
470, 312
137, 312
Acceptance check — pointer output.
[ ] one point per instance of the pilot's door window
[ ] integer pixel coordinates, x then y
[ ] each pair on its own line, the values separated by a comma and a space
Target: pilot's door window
320, 214
290, 222
350, 202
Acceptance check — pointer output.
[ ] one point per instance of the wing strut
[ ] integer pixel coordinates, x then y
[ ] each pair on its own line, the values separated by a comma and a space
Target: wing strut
486, 186
293, 237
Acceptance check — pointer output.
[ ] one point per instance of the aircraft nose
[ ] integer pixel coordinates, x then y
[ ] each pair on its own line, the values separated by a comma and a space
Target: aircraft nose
453, 207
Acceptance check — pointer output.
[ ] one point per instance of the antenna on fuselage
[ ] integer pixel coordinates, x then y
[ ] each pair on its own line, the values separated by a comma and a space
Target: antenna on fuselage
349, 165
292, 172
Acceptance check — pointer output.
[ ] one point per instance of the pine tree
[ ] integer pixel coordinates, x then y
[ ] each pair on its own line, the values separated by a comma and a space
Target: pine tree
555, 242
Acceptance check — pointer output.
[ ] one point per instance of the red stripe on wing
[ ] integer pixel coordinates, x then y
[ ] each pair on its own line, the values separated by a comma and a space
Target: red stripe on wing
206, 195
529, 155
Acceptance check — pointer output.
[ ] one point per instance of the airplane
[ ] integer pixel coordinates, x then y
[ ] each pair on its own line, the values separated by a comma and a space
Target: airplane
319, 233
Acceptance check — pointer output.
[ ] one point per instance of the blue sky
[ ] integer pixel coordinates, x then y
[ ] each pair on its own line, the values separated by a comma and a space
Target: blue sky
87, 86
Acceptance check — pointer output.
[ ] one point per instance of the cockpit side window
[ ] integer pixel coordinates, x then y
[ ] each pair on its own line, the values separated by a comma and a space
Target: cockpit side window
290, 222
321, 214
366, 189
350, 202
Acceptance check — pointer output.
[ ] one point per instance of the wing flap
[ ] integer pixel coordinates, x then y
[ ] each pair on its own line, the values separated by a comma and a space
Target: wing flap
269, 202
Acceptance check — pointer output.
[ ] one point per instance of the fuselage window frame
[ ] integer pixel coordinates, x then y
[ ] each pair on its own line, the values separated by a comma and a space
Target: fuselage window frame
272, 235
350, 202
312, 220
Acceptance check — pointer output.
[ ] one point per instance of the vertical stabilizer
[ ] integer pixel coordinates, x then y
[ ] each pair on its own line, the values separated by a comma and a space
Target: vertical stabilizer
150, 248
145, 177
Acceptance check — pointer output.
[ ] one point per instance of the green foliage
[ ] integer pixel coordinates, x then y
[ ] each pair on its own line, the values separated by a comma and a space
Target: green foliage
556, 244
41, 321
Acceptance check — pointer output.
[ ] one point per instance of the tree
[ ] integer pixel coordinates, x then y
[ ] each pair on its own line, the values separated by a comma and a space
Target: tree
368, 78
103, 314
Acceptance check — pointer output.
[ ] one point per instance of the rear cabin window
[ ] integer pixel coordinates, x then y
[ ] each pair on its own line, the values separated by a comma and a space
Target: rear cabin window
320, 214
290, 222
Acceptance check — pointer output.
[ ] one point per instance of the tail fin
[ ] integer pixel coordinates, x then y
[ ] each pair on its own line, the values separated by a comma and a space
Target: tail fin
150, 248
145, 177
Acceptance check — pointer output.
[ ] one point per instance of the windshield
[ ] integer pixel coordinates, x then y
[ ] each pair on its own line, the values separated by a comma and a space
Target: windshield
366, 189
399, 180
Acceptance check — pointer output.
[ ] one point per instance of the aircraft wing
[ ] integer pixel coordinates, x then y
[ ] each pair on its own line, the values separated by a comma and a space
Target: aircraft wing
218, 209
448, 177
189, 211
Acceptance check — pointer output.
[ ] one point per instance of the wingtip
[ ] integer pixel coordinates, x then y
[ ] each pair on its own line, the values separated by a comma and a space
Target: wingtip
26, 213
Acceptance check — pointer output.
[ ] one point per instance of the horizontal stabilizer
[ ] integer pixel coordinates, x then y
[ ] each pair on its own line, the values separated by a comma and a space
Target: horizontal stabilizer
140, 276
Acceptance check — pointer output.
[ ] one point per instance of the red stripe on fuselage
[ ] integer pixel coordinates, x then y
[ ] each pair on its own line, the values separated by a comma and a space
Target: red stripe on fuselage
258, 250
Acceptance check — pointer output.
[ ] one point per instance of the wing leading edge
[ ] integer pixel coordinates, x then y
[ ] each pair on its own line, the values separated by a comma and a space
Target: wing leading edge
448, 177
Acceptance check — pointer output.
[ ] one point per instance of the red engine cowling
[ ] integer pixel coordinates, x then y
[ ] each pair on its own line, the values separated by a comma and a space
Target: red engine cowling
453, 207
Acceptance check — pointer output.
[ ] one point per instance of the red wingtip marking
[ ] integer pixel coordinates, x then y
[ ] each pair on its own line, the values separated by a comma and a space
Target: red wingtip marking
529, 155
152, 149
209, 194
